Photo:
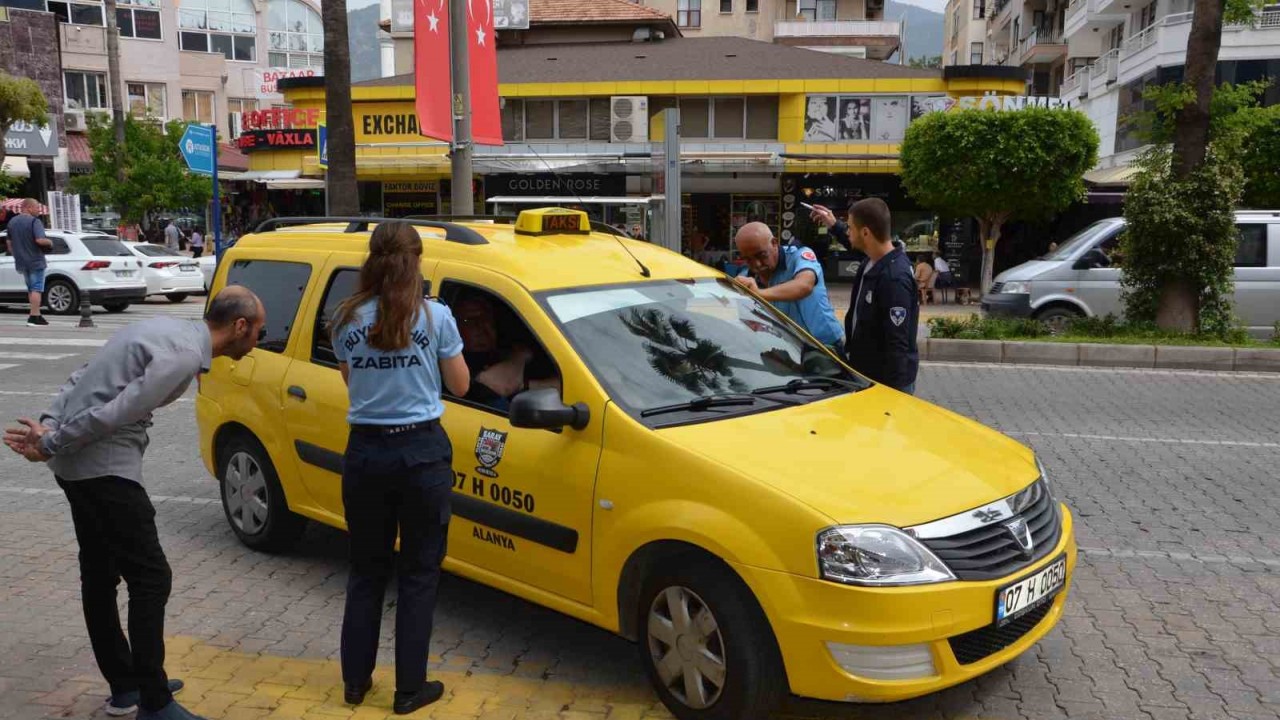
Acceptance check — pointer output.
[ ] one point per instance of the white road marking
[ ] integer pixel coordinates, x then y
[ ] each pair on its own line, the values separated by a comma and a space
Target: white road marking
6, 366
34, 356
1162, 441
53, 342
1077, 369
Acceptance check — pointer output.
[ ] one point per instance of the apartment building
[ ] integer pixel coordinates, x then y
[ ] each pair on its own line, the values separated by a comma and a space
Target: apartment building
856, 28
204, 61
1117, 48
964, 32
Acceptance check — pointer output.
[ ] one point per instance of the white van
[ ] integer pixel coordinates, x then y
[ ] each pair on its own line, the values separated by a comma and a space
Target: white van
1077, 279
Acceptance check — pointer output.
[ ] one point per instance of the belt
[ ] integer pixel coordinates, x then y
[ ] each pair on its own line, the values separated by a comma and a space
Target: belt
394, 429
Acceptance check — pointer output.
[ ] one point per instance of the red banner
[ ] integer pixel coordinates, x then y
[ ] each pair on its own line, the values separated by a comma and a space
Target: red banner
431, 69
486, 118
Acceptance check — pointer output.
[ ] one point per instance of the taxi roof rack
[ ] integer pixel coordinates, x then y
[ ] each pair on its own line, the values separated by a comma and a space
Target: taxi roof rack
361, 223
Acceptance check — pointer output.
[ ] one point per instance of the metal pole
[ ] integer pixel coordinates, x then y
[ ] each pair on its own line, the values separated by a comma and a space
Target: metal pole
217, 201
462, 199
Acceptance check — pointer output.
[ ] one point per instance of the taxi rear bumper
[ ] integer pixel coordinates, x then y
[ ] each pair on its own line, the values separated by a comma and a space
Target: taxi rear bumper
861, 644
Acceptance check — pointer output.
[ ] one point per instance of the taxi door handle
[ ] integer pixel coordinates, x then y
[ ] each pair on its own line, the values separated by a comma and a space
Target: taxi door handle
298, 392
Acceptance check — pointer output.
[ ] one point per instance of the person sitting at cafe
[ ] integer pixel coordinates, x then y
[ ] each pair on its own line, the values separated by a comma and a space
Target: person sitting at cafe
499, 370
924, 278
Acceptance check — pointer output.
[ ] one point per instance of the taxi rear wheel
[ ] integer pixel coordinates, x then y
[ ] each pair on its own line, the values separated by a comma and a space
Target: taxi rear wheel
253, 499
707, 645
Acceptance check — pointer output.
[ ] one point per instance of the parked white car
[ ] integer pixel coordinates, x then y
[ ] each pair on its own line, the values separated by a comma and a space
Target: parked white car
168, 272
208, 264
79, 262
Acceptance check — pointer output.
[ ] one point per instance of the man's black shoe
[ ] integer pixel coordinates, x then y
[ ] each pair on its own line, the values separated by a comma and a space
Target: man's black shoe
354, 694
37, 321
431, 691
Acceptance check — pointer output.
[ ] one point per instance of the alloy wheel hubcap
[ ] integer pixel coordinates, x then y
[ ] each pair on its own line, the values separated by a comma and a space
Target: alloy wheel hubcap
246, 494
60, 298
686, 647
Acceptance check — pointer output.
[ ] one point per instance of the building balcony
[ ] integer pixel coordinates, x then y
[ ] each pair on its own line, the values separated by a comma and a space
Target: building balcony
999, 10
1103, 71
83, 39
881, 38
1042, 46
1075, 85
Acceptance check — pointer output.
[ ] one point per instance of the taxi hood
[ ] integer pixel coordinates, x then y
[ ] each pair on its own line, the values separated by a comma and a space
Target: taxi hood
871, 456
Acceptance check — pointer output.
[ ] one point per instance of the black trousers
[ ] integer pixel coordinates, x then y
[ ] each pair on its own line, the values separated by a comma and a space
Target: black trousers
197, 251
398, 482
116, 529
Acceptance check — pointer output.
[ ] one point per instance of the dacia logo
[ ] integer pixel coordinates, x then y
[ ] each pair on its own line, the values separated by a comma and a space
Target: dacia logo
986, 515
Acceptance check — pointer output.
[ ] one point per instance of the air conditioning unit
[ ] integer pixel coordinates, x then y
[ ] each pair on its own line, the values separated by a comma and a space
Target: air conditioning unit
75, 122
629, 119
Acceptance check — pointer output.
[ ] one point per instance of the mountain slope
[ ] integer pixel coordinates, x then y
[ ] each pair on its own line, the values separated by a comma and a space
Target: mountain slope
362, 39
924, 28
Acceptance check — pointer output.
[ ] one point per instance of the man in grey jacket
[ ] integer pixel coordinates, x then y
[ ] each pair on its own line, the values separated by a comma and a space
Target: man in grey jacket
93, 437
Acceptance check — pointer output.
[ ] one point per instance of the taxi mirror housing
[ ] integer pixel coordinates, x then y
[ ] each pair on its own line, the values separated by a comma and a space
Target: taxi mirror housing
542, 409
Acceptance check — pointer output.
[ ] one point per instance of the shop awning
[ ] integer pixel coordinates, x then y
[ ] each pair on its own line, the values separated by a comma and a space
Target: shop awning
1120, 175
296, 184
554, 200
16, 166
79, 154
265, 175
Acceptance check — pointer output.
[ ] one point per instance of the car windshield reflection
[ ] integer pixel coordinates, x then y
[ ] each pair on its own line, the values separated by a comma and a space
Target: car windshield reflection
691, 351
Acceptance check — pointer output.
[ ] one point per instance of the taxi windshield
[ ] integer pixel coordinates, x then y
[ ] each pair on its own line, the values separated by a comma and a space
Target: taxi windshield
690, 351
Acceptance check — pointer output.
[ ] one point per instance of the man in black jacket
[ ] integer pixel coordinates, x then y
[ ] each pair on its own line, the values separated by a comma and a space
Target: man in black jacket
884, 311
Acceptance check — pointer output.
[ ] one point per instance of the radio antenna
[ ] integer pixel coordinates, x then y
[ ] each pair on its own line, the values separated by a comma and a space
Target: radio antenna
644, 271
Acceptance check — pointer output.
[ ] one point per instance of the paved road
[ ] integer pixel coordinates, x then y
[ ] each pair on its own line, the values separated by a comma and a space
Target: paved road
1175, 611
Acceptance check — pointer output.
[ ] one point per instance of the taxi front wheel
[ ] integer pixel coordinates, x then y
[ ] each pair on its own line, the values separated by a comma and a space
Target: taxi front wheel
252, 498
707, 645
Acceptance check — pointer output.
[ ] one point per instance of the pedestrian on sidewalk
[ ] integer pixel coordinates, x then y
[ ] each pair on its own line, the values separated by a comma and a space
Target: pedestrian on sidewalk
27, 245
395, 350
791, 278
172, 237
93, 437
884, 311
197, 243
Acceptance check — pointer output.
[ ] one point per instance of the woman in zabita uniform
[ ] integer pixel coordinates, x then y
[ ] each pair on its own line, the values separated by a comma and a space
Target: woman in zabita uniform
395, 351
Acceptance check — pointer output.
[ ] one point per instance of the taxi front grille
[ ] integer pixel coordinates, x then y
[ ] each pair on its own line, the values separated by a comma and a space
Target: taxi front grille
991, 551
986, 641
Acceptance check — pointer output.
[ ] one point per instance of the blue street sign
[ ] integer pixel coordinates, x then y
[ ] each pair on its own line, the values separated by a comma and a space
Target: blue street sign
322, 144
197, 148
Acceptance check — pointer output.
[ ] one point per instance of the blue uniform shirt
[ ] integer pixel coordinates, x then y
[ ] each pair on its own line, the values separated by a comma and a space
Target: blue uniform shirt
402, 386
813, 313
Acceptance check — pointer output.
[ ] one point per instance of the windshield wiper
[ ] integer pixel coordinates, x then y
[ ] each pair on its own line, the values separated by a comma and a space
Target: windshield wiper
701, 404
809, 383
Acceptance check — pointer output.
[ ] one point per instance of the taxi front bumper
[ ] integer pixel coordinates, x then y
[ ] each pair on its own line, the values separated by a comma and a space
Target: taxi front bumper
920, 627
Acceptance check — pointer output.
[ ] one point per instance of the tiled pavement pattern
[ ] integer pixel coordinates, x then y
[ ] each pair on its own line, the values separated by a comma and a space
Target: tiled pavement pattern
1175, 611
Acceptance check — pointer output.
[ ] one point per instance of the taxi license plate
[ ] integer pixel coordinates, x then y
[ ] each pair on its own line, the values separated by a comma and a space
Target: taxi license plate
1017, 598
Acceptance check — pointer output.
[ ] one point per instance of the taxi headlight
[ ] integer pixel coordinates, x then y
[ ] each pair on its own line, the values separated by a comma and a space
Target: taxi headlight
877, 555
1016, 287
1044, 476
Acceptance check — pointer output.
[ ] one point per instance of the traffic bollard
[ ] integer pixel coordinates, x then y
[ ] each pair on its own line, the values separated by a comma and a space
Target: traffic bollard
86, 311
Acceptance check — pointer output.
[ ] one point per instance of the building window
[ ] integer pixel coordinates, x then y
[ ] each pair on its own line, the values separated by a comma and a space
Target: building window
955, 24
979, 9
975, 53
85, 90
78, 13
726, 6
753, 5
729, 118
147, 100
228, 27
295, 35
197, 106
689, 13
1147, 17
139, 19
238, 107
569, 119
816, 9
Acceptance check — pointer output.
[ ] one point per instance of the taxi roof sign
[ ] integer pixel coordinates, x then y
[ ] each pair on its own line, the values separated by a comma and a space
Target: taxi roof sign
553, 221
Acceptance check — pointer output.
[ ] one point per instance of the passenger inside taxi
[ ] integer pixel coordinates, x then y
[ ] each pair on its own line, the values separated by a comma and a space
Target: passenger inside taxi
500, 351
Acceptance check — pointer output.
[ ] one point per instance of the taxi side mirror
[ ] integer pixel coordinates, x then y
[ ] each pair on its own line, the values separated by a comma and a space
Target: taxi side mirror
542, 409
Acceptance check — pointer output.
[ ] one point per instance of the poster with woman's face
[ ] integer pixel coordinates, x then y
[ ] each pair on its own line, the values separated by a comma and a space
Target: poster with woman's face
855, 118
820, 119
924, 104
889, 118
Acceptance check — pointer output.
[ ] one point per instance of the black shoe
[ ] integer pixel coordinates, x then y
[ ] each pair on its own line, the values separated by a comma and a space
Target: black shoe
431, 691
172, 711
36, 321
125, 703
354, 694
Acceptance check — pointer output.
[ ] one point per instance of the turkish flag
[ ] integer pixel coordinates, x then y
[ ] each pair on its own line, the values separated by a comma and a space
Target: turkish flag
432, 87
486, 118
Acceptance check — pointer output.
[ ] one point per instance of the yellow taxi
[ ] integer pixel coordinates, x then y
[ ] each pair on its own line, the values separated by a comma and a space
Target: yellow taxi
681, 465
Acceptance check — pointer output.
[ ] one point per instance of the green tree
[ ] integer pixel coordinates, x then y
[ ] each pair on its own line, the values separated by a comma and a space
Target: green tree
20, 101
926, 61
998, 165
155, 175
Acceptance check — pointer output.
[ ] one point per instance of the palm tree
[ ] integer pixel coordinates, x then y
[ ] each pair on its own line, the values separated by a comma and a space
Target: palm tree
677, 353
117, 89
343, 196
